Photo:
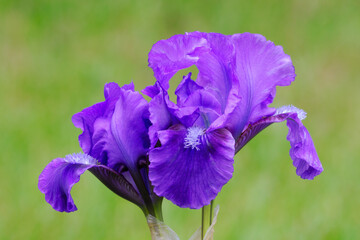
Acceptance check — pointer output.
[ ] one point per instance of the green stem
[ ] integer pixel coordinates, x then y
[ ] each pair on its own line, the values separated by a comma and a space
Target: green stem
155, 224
202, 222
211, 211
205, 216
155, 231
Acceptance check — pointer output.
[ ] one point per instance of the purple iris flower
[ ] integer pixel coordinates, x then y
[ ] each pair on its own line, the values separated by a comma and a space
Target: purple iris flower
115, 143
193, 142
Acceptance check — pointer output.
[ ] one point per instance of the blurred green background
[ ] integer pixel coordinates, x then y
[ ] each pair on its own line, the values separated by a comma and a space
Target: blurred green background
56, 56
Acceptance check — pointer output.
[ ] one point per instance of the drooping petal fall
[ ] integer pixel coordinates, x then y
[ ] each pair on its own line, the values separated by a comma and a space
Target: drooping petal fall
191, 175
59, 176
302, 151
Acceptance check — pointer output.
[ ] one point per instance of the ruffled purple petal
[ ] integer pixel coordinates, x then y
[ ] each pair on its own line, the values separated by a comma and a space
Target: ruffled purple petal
168, 56
58, 177
164, 113
85, 119
221, 45
188, 171
302, 151
186, 87
226, 119
190, 94
211, 53
259, 67
160, 108
123, 136
215, 70
129, 86
115, 131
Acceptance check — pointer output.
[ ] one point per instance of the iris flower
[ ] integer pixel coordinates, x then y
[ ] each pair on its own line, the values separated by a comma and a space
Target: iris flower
115, 143
193, 142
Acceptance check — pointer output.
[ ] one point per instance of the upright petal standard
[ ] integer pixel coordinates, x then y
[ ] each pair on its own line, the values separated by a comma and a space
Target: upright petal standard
193, 141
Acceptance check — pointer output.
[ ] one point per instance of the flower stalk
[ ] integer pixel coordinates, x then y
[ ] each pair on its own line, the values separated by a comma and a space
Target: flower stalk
206, 218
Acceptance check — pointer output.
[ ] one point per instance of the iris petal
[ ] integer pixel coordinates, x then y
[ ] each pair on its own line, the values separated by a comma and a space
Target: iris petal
185, 89
190, 94
59, 176
124, 136
164, 113
160, 109
110, 133
211, 53
215, 70
259, 67
302, 151
86, 119
191, 177
178, 52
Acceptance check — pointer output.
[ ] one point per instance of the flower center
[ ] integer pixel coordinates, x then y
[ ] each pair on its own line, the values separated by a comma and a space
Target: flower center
192, 138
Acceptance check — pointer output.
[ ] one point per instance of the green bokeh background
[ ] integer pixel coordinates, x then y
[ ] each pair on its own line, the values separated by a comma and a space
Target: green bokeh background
56, 56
